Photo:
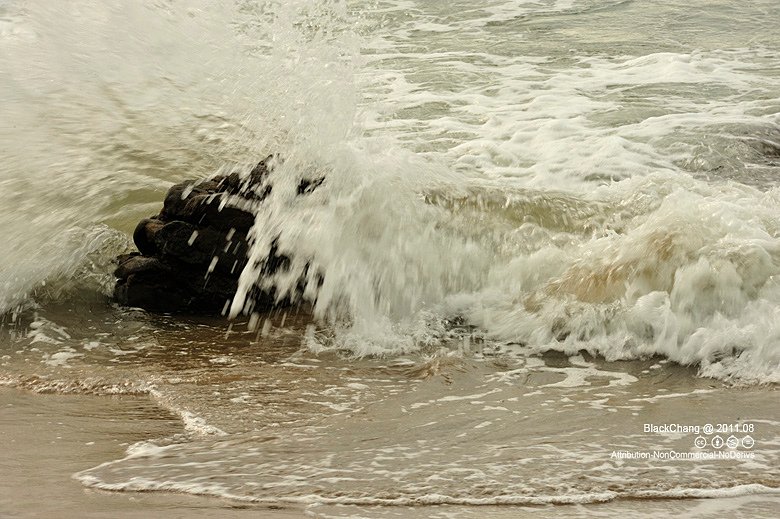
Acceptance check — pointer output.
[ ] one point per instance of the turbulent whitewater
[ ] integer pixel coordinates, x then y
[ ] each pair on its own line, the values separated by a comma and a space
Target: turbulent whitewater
528, 206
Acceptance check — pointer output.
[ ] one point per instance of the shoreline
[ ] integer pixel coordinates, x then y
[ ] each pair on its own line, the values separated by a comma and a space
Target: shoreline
51, 437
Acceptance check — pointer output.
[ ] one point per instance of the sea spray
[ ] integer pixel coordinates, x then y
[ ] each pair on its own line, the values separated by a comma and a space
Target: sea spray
365, 243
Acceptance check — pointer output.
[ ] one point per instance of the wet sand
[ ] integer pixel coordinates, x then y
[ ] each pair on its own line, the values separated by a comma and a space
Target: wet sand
48, 438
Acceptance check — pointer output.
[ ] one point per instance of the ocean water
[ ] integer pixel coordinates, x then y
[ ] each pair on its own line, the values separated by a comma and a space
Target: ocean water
546, 227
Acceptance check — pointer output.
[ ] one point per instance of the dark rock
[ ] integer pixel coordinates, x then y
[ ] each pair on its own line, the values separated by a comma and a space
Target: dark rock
209, 210
177, 239
144, 233
222, 252
136, 264
192, 253
177, 197
167, 290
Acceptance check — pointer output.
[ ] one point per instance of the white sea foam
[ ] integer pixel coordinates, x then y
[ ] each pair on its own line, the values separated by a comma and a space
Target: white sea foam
140, 484
198, 426
660, 263
61, 358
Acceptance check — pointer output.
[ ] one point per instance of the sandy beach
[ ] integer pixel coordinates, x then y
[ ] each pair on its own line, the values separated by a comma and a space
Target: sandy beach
49, 437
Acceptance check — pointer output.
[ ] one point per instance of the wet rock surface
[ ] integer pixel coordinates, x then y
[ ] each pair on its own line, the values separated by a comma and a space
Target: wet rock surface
191, 254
